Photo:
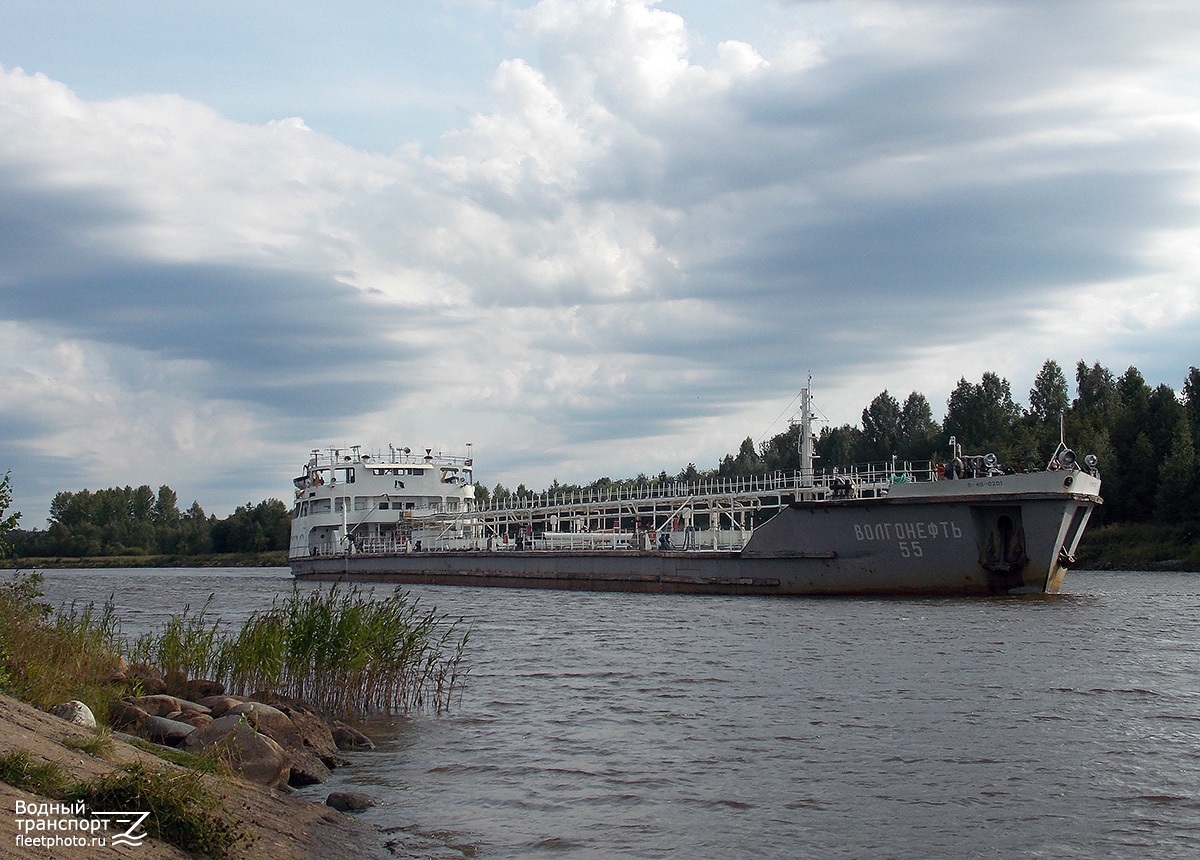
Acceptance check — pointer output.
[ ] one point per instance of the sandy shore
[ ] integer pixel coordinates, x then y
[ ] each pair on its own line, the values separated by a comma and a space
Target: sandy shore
279, 826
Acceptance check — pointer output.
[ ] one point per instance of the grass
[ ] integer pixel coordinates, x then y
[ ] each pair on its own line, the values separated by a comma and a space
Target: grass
21, 770
345, 652
97, 745
209, 761
1140, 546
187, 644
342, 650
180, 804
49, 656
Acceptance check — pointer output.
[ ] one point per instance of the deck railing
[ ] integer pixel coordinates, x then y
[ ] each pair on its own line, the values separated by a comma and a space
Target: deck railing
693, 540
873, 478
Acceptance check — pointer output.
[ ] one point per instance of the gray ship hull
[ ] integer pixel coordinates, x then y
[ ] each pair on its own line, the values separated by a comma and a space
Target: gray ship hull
1008, 534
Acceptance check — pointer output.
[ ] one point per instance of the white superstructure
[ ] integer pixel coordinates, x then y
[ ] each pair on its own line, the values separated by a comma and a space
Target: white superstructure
351, 501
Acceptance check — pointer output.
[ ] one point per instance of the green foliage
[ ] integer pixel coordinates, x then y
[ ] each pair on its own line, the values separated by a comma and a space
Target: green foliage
1147, 440
182, 809
8, 522
48, 656
983, 416
880, 427
340, 649
1140, 546
187, 643
253, 528
131, 522
99, 744
747, 461
918, 432
21, 770
1048, 398
1133, 429
1177, 498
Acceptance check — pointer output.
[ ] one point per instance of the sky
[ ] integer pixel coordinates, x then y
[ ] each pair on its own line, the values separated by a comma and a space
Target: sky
583, 237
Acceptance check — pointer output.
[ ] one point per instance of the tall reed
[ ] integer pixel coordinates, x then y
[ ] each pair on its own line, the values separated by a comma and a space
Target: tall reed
48, 656
341, 650
185, 644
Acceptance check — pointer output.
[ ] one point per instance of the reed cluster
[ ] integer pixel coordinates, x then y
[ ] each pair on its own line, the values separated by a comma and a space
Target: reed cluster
48, 656
346, 652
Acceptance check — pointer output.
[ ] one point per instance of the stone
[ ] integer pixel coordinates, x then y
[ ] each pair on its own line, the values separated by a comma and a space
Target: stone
306, 767
349, 738
190, 707
219, 705
146, 678
125, 716
120, 671
76, 713
349, 801
158, 705
176, 682
200, 688
313, 728
195, 719
253, 756
272, 722
161, 730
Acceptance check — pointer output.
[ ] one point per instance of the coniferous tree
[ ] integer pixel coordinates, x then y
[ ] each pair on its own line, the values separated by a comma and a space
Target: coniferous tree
195, 531
1176, 499
1191, 403
1096, 396
1049, 398
838, 446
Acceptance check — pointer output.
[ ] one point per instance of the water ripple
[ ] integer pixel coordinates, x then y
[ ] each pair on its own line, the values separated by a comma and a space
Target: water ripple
631, 726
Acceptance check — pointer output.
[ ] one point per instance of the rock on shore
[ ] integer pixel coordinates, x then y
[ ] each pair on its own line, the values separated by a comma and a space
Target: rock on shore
278, 826
265, 738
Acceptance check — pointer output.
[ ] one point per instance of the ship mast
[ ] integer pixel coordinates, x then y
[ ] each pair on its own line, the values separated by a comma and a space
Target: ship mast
806, 436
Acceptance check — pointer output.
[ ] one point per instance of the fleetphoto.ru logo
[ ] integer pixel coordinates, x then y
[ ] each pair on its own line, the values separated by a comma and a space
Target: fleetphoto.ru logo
70, 825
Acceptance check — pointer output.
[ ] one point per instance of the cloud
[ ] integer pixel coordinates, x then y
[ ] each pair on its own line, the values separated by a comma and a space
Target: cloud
628, 261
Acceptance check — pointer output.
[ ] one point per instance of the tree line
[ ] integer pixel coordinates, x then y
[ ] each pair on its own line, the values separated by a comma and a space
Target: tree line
138, 521
1146, 439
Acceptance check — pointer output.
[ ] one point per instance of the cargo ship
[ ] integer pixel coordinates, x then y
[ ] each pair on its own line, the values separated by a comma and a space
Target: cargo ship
967, 525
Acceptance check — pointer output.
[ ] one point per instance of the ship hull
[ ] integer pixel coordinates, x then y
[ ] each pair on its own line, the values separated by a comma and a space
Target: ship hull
971, 541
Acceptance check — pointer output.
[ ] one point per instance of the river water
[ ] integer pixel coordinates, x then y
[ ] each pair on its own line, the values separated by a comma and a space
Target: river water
644, 726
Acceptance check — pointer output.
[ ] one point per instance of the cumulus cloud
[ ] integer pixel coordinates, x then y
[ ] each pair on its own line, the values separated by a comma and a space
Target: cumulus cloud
629, 261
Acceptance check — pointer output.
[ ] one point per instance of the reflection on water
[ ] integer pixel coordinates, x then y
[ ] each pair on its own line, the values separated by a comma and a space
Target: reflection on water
609, 725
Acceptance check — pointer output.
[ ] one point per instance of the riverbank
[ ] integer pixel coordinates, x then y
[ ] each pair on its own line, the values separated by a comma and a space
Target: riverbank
240, 559
1140, 546
199, 790
274, 823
